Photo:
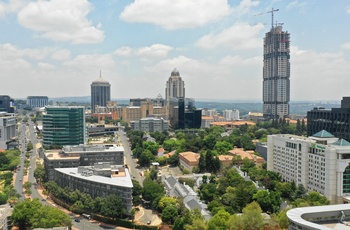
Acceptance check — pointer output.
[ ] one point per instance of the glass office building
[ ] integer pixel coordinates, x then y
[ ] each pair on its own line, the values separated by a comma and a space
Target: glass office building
64, 126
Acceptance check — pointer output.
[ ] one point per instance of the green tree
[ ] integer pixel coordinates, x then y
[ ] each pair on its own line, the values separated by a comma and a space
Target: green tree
219, 221
252, 219
137, 188
300, 192
169, 214
151, 146
78, 207
316, 199
202, 163
32, 214
282, 219
29, 146
222, 147
146, 158
166, 201
151, 189
114, 207
39, 173
49, 217
235, 222
197, 224
207, 192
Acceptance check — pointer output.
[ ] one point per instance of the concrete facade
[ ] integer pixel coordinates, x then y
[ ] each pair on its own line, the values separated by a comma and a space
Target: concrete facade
150, 124
276, 73
320, 163
100, 180
82, 155
7, 129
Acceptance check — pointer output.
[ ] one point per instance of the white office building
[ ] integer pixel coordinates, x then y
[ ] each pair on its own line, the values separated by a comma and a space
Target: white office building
37, 101
231, 115
150, 124
209, 112
7, 129
320, 163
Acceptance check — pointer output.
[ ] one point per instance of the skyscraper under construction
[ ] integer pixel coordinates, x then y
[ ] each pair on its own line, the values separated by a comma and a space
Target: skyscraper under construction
276, 73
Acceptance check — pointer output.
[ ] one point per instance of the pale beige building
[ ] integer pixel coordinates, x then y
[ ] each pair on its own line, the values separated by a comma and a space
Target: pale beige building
189, 160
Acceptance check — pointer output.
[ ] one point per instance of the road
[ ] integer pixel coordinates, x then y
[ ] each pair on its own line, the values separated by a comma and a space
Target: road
135, 172
19, 173
147, 214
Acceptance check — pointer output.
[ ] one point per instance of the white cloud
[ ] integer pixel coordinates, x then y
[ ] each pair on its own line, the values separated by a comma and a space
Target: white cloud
91, 62
124, 51
318, 75
154, 51
348, 9
12, 6
239, 36
177, 14
60, 55
9, 51
45, 66
295, 5
228, 78
61, 20
245, 6
346, 46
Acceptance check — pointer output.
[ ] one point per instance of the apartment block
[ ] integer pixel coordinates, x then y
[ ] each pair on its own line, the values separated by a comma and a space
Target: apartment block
319, 162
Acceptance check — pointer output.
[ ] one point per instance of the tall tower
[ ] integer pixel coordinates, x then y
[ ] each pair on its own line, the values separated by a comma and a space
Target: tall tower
100, 93
276, 73
175, 86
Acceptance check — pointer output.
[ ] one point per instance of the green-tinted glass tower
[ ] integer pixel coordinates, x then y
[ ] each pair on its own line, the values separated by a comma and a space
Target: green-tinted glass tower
64, 126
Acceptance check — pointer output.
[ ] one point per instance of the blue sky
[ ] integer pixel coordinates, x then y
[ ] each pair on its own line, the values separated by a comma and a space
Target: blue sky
58, 47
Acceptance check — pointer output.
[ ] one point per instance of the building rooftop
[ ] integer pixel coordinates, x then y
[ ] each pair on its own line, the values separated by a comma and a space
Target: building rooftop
323, 134
304, 216
57, 155
190, 156
233, 123
92, 148
122, 181
246, 154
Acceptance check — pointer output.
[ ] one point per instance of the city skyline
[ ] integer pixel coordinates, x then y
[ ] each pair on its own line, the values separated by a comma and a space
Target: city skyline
57, 48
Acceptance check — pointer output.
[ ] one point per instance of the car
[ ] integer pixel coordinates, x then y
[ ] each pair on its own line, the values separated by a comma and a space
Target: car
149, 222
76, 219
20, 179
43, 200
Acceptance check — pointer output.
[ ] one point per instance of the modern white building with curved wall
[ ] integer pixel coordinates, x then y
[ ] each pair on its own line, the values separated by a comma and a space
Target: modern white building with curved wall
320, 163
325, 217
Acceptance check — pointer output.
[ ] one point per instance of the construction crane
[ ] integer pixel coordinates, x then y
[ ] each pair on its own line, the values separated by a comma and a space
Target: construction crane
271, 11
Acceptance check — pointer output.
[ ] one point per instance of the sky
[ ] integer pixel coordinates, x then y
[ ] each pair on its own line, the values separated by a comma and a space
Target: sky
56, 48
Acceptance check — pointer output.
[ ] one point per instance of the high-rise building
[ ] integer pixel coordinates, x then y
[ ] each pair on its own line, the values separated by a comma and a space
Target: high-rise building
175, 86
64, 125
100, 93
276, 73
335, 120
37, 101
